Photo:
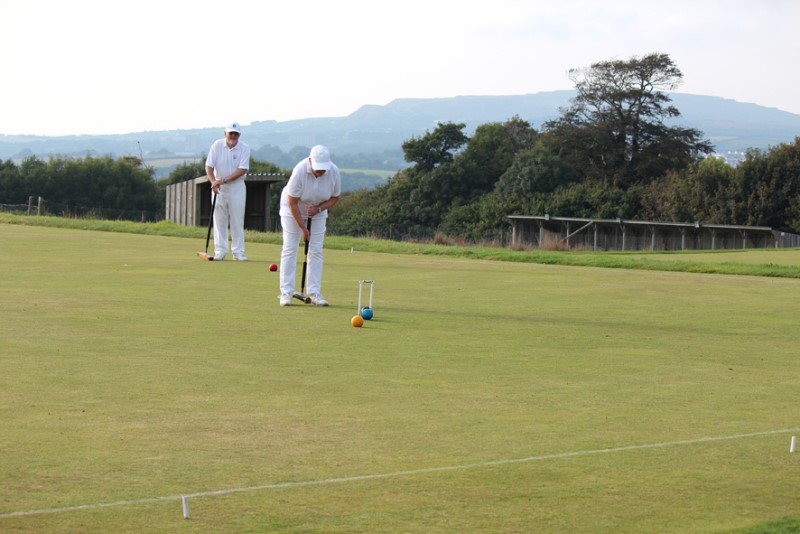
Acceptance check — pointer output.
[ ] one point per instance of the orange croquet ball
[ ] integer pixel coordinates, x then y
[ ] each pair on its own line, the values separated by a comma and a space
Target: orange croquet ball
357, 321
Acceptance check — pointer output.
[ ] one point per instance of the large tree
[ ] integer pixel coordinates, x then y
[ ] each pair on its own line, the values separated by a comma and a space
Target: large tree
768, 187
702, 192
436, 147
616, 127
475, 170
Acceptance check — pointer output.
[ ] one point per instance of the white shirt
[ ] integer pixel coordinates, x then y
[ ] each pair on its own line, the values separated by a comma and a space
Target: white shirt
226, 160
310, 189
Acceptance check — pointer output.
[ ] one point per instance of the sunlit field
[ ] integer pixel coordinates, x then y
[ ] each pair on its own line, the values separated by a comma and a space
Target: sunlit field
484, 396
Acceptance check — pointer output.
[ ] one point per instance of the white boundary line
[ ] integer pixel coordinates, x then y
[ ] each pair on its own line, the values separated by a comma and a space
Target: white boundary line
394, 474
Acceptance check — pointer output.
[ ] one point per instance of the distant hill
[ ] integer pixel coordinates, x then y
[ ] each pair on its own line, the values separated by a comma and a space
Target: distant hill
371, 136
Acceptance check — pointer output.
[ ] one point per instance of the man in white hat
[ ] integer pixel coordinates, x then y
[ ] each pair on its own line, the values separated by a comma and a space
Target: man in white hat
226, 167
314, 186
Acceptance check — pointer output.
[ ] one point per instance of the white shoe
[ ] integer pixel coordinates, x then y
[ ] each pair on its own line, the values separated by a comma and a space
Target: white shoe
318, 300
286, 299
219, 257
240, 258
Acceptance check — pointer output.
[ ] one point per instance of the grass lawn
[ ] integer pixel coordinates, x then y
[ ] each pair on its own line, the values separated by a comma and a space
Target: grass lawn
485, 396
764, 256
380, 173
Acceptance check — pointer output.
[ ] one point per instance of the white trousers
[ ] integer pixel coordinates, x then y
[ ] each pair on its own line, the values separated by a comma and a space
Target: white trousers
292, 235
229, 212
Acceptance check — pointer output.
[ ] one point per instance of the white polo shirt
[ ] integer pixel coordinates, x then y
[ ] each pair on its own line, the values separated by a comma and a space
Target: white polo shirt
226, 160
310, 189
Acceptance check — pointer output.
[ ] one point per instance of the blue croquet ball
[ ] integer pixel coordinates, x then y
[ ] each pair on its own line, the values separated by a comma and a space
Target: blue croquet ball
366, 313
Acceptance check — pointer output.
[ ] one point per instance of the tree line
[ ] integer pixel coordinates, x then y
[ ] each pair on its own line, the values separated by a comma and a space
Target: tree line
101, 187
614, 152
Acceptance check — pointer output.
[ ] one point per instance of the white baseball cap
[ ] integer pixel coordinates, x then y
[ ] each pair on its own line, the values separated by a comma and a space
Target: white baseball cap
320, 158
233, 127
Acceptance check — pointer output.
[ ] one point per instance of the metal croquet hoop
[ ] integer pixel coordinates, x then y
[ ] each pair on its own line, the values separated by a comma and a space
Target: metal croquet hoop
371, 293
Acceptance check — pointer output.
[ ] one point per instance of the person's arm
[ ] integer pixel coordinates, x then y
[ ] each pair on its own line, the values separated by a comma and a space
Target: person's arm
322, 206
212, 179
235, 175
298, 217
216, 184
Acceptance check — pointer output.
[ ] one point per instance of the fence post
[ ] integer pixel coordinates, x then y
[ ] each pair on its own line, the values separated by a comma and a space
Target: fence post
30, 204
39, 207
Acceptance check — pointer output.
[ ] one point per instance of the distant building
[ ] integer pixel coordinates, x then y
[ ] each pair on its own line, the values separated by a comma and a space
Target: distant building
731, 157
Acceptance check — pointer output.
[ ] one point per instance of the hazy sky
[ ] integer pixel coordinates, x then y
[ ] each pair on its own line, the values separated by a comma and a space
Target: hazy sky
92, 67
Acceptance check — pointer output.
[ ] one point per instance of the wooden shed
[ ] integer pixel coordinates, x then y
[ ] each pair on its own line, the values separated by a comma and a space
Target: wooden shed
189, 202
546, 231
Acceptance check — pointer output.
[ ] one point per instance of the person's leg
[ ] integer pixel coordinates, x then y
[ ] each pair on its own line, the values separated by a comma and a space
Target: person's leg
291, 239
318, 228
238, 200
221, 227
